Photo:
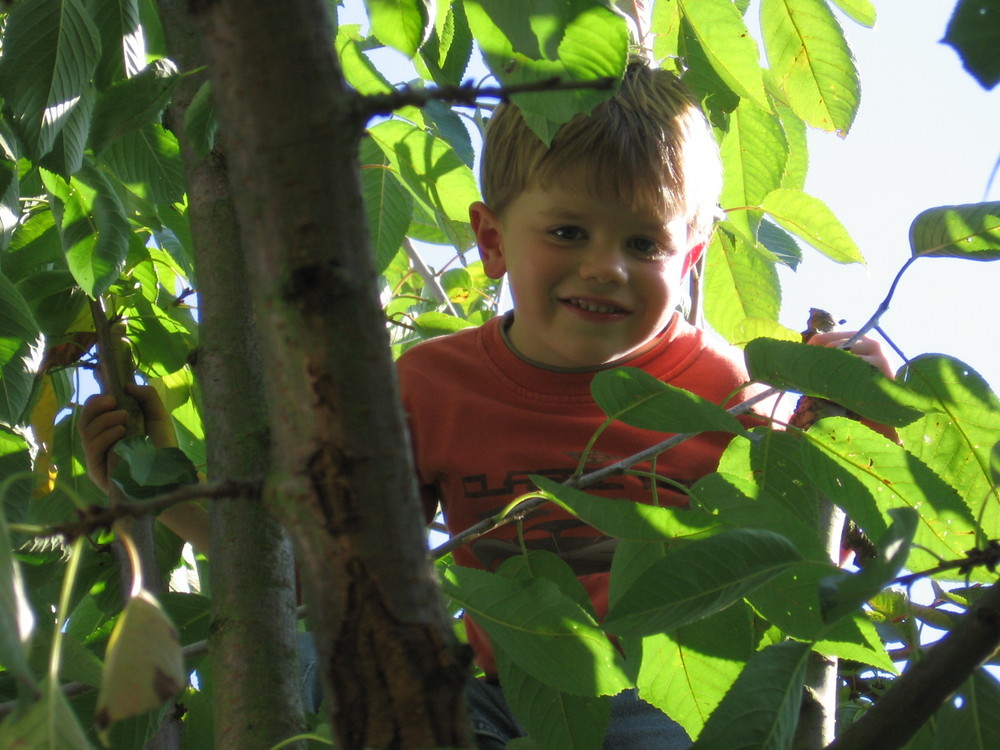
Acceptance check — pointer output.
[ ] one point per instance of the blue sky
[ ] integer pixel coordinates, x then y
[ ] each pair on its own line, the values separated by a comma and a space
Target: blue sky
926, 135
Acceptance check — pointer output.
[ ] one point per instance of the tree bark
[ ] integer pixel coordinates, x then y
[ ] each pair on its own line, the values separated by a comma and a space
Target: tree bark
341, 477
257, 695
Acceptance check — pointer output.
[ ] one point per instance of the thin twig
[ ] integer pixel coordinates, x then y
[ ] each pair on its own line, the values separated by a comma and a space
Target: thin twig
469, 94
100, 517
580, 482
432, 281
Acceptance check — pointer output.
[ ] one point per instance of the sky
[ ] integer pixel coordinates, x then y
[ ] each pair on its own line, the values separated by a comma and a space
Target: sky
927, 134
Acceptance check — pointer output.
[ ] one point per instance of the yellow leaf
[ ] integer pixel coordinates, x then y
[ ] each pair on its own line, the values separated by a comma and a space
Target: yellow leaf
43, 426
143, 667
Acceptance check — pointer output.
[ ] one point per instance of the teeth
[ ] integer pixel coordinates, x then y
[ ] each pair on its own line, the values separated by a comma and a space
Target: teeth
592, 307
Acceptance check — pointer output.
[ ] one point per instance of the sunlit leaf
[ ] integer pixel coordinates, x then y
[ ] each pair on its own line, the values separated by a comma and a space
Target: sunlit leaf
754, 154
575, 41
448, 50
16, 618
811, 62
50, 51
740, 285
728, 45
545, 632
431, 170
92, 226
861, 11
402, 24
358, 68
850, 461
956, 437
974, 32
762, 709
698, 579
624, 519
809, 218
970, 231
686, 673
133, 103
833, 374
780, 244
148, 161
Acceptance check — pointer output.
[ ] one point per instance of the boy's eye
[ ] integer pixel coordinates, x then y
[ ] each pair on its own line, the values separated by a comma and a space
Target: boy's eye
646, 246
568, 233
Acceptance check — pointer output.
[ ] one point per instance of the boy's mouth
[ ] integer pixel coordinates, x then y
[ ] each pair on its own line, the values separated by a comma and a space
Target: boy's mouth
602, 308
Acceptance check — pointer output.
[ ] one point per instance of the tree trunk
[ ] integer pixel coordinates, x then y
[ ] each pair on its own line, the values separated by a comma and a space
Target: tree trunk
257, 694
341, 475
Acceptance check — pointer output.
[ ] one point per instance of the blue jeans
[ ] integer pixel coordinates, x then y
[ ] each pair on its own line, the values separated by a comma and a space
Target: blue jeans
634, 725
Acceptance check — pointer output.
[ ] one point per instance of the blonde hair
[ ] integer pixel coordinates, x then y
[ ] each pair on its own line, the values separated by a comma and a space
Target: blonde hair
650, 143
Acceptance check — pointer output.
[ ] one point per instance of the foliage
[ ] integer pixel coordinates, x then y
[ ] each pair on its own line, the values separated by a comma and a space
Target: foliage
711, 603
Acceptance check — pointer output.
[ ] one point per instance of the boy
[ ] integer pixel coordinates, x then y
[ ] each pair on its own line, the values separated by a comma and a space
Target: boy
596, 235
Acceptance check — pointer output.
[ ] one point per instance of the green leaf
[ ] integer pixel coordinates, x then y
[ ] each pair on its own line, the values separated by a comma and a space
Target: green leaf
48, 723
734, 506
123, 48
16, 618
624, 519
402, 24
435, 323
861, 11
741, 285
856, 466
92, 226
433, 173
148, 161
552, 717
832, 374
809, 218
50, 51
388, 205
592, 43
754, 155
358, 69
163, 343
762, 709
133, 103
973, 721
55, 300
956, 435
19, 339
639, 399
66, 156
200, 123
843, 593
549, 566
780, 244
699, 579
974, 32
147, 471
971, 231
448, 50
545, 632
811, 62
727, 44
686, 674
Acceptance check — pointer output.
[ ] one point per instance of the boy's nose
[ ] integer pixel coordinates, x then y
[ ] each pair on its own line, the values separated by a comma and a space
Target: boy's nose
604, 264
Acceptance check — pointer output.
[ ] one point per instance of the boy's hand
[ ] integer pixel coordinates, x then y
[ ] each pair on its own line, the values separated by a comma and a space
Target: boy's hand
868, 349
102, 425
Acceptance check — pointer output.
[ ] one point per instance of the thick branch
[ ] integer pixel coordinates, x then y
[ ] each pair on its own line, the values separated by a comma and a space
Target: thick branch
921, 690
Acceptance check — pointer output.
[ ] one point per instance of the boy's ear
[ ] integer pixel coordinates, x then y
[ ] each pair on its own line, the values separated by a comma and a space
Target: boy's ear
692, 257
489, 237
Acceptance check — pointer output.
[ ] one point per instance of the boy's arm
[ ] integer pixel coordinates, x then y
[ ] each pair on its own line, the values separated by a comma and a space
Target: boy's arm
102, 425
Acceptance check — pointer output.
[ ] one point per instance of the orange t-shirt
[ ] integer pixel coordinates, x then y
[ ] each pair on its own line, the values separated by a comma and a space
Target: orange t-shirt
482, 420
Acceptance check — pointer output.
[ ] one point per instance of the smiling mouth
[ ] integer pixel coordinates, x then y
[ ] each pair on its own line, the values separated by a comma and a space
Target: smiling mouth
595, 307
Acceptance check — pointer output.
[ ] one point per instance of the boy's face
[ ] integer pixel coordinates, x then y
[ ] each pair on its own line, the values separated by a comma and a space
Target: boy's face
593, 280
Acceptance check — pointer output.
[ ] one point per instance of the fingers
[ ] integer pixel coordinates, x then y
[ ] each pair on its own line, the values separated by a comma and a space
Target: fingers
868, 349
159, 426
101, 425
